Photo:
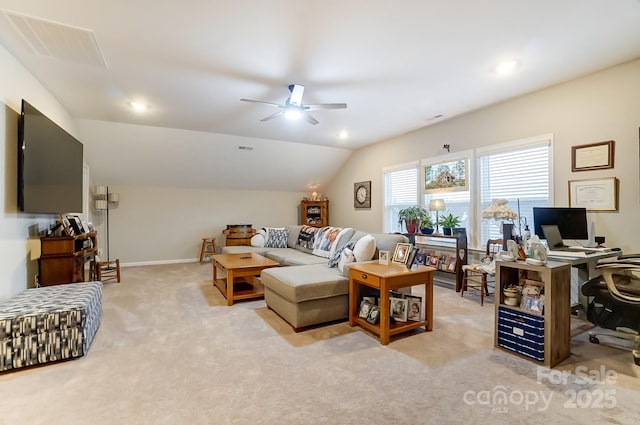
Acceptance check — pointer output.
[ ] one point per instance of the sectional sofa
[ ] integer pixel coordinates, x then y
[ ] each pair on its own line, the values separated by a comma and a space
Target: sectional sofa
313, 288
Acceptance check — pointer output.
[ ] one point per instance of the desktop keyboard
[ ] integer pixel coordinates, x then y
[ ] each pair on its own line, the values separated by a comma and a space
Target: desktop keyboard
586, 249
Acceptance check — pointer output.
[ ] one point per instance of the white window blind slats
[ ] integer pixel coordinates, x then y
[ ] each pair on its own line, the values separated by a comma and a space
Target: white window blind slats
401, 191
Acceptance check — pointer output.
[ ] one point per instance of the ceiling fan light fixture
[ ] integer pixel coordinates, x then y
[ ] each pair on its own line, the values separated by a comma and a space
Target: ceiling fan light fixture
293, 114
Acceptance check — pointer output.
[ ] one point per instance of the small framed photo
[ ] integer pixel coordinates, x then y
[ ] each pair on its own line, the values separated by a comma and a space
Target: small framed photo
374, 315
421, 257
372, 300
398, 308
414, 310
443, 262
66, 225
383, 257
365, 308
411, 258
452, 264
401, 253
75, 224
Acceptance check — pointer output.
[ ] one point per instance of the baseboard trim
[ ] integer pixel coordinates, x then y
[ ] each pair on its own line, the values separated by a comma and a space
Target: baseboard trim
160, 262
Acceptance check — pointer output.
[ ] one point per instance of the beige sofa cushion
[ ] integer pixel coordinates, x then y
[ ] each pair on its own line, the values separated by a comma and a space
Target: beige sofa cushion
305, 283
293, 257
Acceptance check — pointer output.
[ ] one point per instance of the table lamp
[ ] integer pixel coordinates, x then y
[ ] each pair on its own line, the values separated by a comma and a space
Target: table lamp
436, 205
498, 210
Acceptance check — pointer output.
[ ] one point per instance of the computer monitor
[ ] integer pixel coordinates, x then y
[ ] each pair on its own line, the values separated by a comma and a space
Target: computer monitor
572, 222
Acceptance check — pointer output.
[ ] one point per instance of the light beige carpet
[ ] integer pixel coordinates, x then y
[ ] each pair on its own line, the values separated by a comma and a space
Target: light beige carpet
169, 351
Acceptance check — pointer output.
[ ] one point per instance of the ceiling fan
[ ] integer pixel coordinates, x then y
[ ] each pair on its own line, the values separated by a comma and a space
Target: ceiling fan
293, 107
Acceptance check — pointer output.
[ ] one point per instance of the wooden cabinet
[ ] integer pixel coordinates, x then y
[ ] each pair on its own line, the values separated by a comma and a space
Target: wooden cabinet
315, 213
62, 259
543, 337
453, 246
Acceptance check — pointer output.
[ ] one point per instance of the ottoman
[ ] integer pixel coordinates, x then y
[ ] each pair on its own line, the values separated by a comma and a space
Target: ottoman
41, 325
306, 295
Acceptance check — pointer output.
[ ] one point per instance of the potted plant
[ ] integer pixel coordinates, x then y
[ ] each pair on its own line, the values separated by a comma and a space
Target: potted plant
448, 222
426, 225
412, 216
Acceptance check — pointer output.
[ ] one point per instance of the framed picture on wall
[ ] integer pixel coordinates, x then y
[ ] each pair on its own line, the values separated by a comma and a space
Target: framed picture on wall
594, 156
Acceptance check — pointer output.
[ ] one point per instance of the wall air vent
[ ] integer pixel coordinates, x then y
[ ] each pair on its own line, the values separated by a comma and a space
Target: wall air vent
55, 40
245, 148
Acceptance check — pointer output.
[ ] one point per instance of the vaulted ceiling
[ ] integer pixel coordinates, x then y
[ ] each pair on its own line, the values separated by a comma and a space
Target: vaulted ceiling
399, 66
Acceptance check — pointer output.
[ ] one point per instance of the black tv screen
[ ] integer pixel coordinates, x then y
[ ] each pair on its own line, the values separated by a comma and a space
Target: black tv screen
49, 165
572, 222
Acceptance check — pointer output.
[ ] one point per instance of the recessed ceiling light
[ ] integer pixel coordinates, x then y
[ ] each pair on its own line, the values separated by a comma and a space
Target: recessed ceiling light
507, 67
343, 135
138, 107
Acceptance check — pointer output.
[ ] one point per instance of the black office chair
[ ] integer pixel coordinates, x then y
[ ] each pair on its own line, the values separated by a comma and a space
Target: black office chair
616, 300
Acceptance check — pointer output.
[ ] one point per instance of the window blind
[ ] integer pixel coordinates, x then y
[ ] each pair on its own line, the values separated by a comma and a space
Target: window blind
400, 191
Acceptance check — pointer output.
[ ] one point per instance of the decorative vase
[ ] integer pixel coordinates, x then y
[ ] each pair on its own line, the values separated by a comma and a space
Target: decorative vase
427, 231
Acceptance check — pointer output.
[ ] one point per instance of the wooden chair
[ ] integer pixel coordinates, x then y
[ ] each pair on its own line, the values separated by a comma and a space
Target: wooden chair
106, 271
478, 276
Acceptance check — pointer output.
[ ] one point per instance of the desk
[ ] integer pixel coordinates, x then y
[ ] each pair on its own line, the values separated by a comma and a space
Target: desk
586, 268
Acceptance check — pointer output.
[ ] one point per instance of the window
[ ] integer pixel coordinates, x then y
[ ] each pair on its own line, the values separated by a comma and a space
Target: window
519, 173
400, 191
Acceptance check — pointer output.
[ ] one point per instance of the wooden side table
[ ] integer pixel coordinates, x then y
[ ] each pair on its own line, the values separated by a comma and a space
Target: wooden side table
385, 278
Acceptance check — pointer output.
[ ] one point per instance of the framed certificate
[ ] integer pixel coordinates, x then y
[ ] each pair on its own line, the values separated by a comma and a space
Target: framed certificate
594, 194
594, 156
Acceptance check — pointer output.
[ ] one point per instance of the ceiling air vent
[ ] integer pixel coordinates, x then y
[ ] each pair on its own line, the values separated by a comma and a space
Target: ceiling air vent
55, 40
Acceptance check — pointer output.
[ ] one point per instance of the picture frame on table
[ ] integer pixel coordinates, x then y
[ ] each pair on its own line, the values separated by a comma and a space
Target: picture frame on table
401, 253
594, 194
433, 260
443, 262
421, 257
398, 308
593, 156
76, 224
365, 308
414, 308
383, 258
66, 225
374, 315
411, 257
452, 264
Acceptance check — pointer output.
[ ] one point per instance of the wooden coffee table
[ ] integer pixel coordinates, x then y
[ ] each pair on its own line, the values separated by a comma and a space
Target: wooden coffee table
240, 277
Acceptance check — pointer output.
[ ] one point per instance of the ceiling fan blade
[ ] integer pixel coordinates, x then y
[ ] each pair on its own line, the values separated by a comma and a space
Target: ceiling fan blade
310, 119
296, 94
319, 106
272, 116
261, 101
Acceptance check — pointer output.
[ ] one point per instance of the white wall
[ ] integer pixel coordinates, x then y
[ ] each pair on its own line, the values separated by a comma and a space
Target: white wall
19, 243
599, 107
164, 224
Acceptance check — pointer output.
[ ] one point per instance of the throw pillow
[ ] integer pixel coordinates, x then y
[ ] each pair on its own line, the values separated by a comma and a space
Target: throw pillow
346, 257
365, 248
276, 237
306, 238
325, 239
335, 258
259, 238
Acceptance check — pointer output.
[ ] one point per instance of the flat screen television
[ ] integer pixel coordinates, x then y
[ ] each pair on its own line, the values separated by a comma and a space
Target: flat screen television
49, 165
572, 222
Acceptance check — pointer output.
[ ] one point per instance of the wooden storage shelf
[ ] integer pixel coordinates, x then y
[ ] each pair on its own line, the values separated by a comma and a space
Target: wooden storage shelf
451, 245
540, 337
314, 213
62, 259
